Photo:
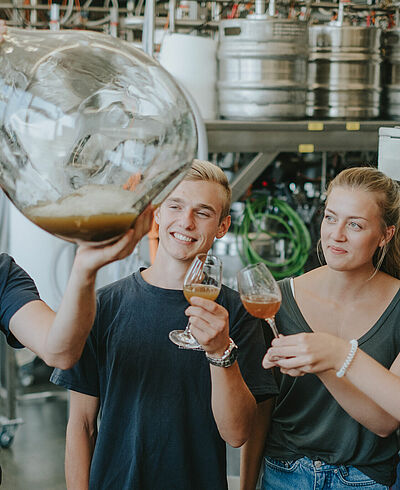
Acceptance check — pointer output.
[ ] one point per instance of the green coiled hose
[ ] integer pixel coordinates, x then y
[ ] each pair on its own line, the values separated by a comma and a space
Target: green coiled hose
292, 229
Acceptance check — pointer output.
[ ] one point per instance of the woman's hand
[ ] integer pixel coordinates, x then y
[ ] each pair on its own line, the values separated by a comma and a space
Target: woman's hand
304, 353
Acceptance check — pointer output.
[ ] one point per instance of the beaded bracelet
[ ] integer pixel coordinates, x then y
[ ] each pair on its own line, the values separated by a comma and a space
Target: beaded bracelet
349, 358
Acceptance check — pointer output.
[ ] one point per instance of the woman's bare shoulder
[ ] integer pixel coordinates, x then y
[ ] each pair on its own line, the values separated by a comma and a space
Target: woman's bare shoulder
311, 278
388, 282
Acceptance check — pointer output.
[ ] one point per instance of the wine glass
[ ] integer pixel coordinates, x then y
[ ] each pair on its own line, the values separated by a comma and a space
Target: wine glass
203, 279
260, 293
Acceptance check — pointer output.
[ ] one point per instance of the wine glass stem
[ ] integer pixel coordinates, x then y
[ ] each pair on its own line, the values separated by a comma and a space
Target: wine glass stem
187, 329
271, 323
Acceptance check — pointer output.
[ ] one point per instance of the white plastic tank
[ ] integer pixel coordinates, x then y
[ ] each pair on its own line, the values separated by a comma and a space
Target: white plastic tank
192, 61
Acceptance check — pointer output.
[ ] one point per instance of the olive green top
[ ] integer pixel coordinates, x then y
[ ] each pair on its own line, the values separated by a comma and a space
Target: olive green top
307, 420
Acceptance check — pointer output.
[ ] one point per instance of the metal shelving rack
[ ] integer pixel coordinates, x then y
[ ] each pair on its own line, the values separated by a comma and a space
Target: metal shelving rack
269, 138
294, 136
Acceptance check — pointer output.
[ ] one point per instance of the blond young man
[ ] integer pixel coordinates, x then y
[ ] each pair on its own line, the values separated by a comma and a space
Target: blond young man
166, 413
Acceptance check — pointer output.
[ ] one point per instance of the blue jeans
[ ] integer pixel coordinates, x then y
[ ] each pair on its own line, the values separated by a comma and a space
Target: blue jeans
305, 474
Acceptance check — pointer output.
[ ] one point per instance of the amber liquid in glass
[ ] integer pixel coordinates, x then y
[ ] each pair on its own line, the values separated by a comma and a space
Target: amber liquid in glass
260, 306
94, 228
201, 290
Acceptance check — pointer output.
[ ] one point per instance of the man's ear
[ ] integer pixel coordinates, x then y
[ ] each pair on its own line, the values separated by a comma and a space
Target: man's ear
157, 215
223, 227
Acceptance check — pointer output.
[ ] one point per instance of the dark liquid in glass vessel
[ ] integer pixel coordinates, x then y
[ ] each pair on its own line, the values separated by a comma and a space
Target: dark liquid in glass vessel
93, 228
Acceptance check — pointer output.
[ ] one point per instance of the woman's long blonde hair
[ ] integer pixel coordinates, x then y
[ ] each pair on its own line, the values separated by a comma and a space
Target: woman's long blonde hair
387, 194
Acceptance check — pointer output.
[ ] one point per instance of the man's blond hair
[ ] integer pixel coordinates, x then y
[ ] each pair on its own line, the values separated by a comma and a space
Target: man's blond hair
208, 172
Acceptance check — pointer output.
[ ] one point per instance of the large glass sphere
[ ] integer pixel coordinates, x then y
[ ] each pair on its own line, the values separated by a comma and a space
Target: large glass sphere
91, 131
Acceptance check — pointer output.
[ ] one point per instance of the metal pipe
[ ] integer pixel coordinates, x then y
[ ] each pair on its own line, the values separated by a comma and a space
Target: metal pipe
271, 8
33, 16
171, 10
340, 16
136, 22
114, 22
260, 7
123, 10
55, 17
215, 11
324, 167
149, 27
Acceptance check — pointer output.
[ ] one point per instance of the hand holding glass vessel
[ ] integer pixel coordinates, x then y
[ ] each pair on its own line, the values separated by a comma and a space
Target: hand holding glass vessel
260, 293
203, 279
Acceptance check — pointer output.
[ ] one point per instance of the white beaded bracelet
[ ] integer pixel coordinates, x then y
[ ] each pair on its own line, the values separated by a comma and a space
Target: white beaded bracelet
349, 358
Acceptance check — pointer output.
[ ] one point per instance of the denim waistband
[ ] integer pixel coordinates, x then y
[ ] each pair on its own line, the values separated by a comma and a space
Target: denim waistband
320, 465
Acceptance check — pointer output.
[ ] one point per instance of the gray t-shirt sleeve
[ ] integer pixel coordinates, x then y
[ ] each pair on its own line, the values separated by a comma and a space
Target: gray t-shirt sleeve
17, 289
84, 376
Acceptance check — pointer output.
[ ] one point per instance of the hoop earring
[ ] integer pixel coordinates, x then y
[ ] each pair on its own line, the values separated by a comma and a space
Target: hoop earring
320, 253
381, 257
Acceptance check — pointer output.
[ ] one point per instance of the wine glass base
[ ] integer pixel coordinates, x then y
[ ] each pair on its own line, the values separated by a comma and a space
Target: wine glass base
184, 340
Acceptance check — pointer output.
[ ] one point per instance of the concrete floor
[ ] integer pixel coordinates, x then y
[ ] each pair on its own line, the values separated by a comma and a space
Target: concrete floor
35, 459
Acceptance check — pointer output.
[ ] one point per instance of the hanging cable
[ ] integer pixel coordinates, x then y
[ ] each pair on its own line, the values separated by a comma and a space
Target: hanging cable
285, 223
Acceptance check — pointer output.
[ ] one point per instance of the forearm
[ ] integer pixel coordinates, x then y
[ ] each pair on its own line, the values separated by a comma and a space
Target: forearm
366, 392
78, 456
251, 453
232, 403
67, 335
375, 381
358, 404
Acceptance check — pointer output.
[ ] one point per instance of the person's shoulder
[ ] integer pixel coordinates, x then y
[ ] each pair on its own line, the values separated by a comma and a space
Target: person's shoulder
230, 299
6, 261
10, 270
310, 280
117, 287
229, 295
388, 285
389, 280
230, 292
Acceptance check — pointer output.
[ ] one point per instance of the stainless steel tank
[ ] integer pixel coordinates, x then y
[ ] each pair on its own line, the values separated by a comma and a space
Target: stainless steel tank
392, 73
262, 68
344, 78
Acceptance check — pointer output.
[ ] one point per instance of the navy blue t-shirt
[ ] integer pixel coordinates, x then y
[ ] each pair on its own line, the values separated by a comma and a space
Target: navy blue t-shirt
157, 430
16, 290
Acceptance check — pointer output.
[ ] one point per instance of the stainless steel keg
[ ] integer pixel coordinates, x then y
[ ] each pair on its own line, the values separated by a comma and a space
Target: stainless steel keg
392, 73
262, 68
344, 71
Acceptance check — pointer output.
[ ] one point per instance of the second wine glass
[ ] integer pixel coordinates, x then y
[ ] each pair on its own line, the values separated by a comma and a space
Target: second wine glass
203, 279
260, 293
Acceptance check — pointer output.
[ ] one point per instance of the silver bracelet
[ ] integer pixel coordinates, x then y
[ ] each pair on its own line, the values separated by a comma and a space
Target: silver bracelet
349, 358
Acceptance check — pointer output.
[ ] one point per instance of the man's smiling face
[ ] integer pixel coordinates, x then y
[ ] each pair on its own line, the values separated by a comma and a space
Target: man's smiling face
189, 219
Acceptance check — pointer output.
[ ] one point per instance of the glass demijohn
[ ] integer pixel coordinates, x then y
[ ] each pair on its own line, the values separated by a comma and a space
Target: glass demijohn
91, 131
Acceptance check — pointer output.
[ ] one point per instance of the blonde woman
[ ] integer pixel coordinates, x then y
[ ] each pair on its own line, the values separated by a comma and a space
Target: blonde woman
335, 428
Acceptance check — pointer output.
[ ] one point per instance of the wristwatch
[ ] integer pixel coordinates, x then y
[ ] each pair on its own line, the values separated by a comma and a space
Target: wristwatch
228, 358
